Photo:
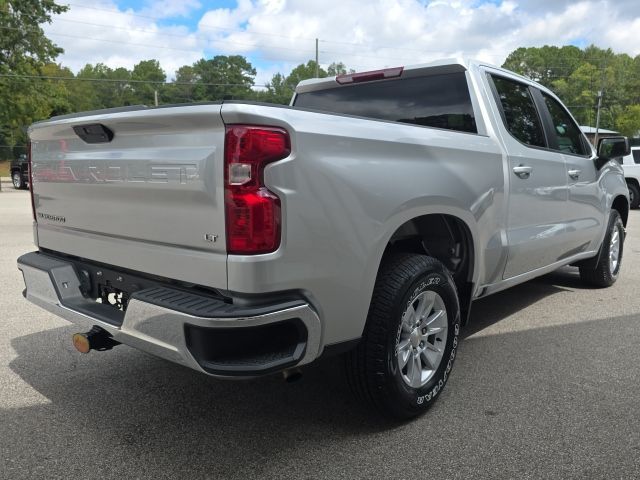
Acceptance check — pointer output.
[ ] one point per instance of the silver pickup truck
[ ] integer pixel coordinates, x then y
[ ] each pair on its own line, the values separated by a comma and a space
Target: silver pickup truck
241, 239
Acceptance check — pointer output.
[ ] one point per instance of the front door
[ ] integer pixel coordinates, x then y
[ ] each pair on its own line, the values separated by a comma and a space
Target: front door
585, 207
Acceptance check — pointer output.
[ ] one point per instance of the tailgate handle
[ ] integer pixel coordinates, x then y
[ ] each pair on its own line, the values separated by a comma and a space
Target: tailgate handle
94, 133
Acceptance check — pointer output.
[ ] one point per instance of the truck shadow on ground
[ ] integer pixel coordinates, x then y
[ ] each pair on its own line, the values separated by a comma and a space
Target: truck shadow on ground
125, 406
494, 308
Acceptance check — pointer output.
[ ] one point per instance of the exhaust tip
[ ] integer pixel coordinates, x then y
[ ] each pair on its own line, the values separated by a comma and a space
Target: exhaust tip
95, 339
81, 342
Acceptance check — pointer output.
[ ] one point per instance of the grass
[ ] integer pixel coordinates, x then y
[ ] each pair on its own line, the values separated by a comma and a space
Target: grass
4, 168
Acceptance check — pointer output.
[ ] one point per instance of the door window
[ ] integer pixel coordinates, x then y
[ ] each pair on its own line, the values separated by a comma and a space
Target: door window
570, 138
520, 114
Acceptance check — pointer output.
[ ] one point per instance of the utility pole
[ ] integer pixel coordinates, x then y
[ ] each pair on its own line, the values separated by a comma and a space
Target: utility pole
155, 97
317, 66
600, 95
595, 138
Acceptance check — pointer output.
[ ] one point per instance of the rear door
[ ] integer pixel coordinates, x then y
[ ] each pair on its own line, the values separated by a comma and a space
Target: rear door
537, 181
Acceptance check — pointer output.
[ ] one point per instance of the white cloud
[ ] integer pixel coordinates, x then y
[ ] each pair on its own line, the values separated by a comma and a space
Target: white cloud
277, 34
624, 39
170, 8
98, 31
389, 32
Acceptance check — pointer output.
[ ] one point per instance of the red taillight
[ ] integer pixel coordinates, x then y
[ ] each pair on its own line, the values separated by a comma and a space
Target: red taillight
30, 169
252, 211
369, 76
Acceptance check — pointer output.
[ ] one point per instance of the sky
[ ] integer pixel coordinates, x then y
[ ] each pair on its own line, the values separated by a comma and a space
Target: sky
277, 35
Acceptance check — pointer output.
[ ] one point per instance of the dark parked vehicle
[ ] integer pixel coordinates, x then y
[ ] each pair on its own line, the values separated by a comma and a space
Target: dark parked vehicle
20, 172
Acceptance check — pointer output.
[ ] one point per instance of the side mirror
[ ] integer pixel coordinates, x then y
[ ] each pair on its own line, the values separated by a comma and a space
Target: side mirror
612, 148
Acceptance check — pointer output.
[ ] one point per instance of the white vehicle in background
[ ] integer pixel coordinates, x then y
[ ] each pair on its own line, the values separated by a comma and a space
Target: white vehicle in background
631, 165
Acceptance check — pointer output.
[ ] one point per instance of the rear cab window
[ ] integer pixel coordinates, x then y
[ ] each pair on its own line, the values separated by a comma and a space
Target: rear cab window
438, 101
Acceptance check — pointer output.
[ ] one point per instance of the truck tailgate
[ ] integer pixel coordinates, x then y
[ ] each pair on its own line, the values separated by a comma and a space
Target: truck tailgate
151, 199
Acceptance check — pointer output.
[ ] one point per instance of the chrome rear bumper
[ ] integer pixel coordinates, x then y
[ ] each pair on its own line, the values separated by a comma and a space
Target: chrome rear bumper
159, 328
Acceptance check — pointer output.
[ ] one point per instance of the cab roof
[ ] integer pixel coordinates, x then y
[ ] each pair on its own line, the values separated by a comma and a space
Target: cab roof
442, 66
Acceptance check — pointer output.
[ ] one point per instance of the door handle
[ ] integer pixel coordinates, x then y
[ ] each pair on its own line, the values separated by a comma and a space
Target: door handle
574, 174
523, 171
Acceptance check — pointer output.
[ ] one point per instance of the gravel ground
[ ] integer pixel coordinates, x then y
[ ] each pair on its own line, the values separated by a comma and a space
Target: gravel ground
546, 385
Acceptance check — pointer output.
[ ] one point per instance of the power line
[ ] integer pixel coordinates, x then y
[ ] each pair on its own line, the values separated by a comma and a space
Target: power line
217, 40
126, 80
257, 46
200, 28
211, 28
161, 47
149, 82
159, 82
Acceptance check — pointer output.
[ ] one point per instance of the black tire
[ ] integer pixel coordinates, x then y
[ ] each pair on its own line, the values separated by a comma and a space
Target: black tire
16, 178
634, 195
602, 275
372, 368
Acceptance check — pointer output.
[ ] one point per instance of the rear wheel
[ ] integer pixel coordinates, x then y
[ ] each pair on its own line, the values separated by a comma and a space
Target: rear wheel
410, 340
16, 178
605, 273
634, 195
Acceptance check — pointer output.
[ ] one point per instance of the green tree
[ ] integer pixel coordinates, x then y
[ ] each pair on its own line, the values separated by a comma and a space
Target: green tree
83, 95
24, 50
278, 91
579, 91
23, 42
304, 71
338, 69
577, 76
281, 88
109, 87
146, 71
545, 64
182, 90
222, 77
628, 122
57, 92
